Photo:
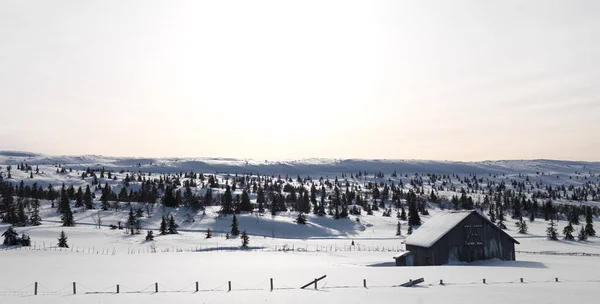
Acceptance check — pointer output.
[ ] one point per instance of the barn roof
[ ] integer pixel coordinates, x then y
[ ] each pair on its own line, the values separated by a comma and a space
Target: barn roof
439, 225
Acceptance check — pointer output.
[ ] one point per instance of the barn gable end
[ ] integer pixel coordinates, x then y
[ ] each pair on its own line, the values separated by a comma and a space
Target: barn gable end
459, 236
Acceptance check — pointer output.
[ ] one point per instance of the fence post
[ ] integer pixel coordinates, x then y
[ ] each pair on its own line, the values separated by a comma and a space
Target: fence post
483, 281
556, 279
229, 285
441, 282
74, 288
365, 283
271, 284
521, 280
35, 288
315, 283
156, 287
117, 288
197, 286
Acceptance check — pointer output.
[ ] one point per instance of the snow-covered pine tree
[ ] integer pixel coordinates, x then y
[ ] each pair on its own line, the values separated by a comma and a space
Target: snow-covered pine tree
62, 240
551, 232
301, 219
582, 236
589, 226
25, 240
172, 225
234, 226
11, 237
34, 218
131, 222
522, 226
163, 226
245, 239
568, 232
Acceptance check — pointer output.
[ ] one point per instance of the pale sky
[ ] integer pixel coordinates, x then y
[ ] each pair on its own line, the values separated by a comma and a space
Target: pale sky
444, 80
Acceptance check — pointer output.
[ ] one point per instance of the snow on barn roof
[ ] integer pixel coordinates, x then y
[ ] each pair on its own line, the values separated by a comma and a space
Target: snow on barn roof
440, 224
436, 227
402, 254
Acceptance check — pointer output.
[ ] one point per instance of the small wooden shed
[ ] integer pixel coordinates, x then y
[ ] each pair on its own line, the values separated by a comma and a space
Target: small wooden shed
404, 258
459, 236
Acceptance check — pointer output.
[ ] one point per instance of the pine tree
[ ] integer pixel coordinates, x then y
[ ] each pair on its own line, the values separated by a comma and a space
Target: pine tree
410, 230
245, 204
531, 216
234, 226
582, 236
589, 226
227, 201
35, 218
413, 215
301, 219
227, 236
149, 236
399, 229
163, 226
88, 200
551, 232
64, 203
403, 213
208, 233
568, 232
522, 226
245, 239
11, 237
62, 240
172, 226
25, 240
67, 217
131, 221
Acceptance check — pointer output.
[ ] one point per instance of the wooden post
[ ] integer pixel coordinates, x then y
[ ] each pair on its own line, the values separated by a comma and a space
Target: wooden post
229, 285
556, 279
521, 280
441, 282
365, 283
117, 288
35, 288
197, 289
271, 284
156, 287
74, 288
483, 281
316, 282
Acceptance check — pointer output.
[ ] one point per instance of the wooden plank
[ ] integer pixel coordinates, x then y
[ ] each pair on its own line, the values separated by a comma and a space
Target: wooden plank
313, 281
412, 283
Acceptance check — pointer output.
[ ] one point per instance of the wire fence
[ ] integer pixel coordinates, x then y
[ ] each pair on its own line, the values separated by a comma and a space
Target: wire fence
76, 249
268, 285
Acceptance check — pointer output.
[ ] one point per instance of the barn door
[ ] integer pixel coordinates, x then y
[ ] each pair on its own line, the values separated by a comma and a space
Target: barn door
474, 242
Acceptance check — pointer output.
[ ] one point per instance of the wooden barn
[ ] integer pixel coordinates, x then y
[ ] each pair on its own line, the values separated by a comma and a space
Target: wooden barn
459, 236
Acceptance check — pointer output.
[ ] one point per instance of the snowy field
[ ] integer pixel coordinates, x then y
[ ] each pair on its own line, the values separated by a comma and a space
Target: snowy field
292, 255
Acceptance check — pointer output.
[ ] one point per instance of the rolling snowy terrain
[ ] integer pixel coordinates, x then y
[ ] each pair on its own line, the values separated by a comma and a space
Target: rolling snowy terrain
99, 258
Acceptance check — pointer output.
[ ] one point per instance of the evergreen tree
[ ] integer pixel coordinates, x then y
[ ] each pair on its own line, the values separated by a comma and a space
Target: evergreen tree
413, 215
88, 200
245, 204
79, 198
64, 203
568, 232
531, 216
301, 219
131, 221
163, 226
522, 226
410, 230
208, 233
227, 201
234, 226
260, 200
227, 236
172, 226
551, 230
402, 213
35, 218
25, 240
582, 236
21, 217
149, 236
399, 229
245, 239
589, 226
11, 237
67, 217
62, 240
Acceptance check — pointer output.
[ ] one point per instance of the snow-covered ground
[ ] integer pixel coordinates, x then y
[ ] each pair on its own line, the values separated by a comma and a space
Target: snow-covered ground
100, 258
